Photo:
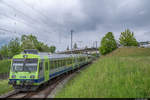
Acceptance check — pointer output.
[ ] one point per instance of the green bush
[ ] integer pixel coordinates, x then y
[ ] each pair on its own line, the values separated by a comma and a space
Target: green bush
4, 66
5, 87
127, 38
108, 44
15, 46
11, 49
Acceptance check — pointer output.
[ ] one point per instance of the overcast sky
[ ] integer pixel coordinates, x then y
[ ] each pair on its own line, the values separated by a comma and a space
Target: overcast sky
52, 20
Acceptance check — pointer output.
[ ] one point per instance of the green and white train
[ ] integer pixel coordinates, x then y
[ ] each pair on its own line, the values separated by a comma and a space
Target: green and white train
31, 69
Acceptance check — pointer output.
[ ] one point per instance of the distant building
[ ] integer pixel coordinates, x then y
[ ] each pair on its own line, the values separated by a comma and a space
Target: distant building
144, 44
78, 51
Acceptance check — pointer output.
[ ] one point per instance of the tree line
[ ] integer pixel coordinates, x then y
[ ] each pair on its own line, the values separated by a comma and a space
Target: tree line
108, 42
16, 45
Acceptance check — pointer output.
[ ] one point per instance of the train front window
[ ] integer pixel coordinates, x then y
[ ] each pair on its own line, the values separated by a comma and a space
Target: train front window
18, 67
24, 65
30, 65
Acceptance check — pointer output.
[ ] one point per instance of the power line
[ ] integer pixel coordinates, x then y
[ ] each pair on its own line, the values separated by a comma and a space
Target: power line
28, 17
8, 31
41, 13
20, 21
19, 11
5, 30
34, 27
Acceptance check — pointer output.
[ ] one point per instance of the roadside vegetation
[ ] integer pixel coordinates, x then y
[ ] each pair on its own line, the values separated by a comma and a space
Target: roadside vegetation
16, 45
124, 73
109, 44
4, 66
127, 38
4, 87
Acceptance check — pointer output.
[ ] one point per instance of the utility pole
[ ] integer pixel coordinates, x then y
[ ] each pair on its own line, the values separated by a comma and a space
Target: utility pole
96, 47
96, 44
71, 38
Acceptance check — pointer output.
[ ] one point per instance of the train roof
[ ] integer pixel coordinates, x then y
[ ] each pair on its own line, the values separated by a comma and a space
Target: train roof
60, 56
42, 55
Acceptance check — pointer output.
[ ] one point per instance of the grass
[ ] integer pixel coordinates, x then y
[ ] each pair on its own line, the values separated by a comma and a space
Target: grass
4, 87
124, 73
4, 66
132, 52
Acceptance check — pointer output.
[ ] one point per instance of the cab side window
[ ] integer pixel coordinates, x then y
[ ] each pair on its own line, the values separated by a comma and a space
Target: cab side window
46, 65
51, 64
40, 66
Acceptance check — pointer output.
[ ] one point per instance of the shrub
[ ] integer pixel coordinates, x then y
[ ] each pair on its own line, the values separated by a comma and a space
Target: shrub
108, 43
127, 38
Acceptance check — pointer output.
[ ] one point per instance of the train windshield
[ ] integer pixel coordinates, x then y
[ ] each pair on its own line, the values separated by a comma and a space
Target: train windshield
24, 65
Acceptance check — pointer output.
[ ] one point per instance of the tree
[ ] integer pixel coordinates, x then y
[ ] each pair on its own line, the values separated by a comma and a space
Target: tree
42, 47
108, 43
4, 51
52, 49
75, 46
31, 42
14, 47
127, 38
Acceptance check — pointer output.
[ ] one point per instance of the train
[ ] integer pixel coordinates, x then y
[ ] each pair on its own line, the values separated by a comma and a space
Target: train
30, 69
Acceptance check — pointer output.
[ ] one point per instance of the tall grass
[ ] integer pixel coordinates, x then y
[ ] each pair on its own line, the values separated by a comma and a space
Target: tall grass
125, 73
4, 66
4, 87
132, 52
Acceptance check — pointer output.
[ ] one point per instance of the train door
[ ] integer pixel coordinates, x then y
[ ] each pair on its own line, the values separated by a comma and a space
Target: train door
46, 69
41, 69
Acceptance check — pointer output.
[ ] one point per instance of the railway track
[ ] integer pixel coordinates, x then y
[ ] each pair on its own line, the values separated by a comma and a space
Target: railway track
45, 90
40, 93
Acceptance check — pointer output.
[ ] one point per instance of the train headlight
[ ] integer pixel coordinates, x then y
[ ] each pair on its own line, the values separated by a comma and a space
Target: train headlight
32, 76
13, 76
